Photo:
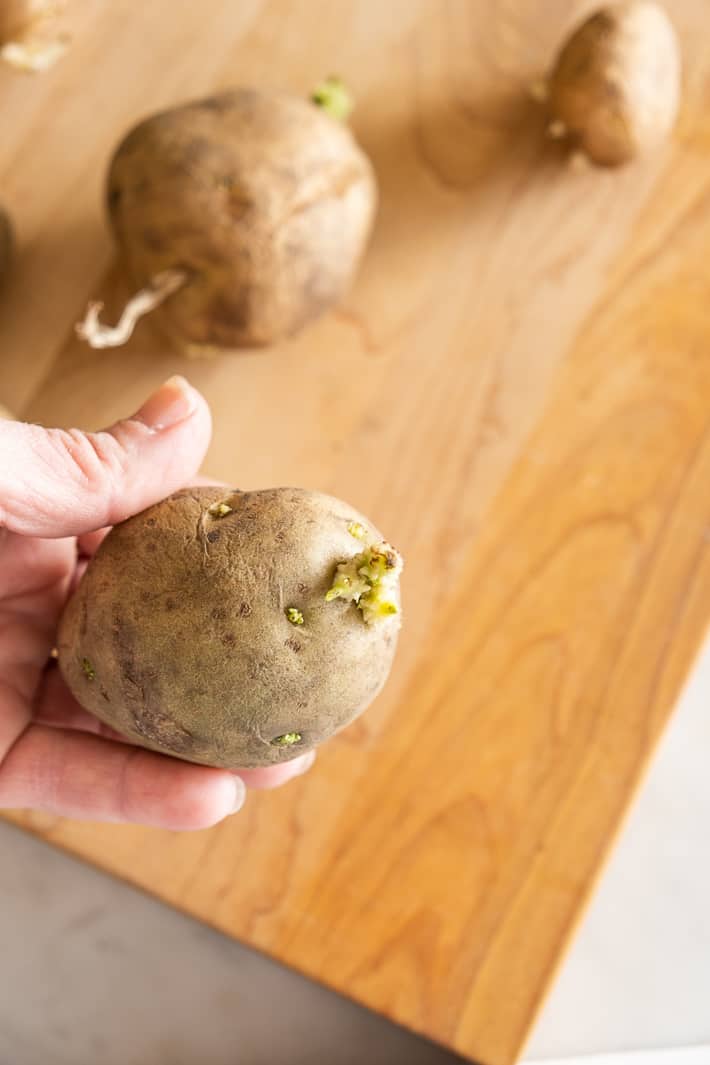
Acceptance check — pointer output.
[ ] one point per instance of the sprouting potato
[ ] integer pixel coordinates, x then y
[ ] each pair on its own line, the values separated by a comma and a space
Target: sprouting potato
614, 90
239, 218
234, 628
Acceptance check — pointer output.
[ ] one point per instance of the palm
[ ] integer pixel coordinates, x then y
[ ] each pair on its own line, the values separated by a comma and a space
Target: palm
35, 577
54, 483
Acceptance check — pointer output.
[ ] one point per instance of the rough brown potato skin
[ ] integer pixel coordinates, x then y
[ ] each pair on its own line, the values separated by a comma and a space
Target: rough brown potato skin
6, 242
177, 635
263, 199
616, 84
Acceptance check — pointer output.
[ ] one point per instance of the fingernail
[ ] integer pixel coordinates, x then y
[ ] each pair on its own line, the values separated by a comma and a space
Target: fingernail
174, 401
240, 794
305, 763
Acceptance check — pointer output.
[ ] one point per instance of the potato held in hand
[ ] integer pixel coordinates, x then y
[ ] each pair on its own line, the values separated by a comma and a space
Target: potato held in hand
234, 628
615, 88
242, 217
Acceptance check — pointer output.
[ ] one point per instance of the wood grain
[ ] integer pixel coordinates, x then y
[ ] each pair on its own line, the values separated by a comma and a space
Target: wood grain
524, 362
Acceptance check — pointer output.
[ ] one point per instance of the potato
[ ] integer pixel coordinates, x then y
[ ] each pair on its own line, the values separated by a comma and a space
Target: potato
615, 88
246, 212
29, 36
234, 628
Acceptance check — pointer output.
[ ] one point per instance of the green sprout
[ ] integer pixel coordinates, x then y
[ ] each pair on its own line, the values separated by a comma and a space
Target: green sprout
294, 616
287, 740
357, 530
370, 580
218, 510
87, 669
333, 97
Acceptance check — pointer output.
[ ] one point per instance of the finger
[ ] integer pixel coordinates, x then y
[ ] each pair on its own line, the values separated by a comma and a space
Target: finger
56, 706
35, 570
79, 571
274, 776
88, 544
73, 774
56, 482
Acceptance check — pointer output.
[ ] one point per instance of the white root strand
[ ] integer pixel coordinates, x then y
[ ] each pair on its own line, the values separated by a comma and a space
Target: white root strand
146, 300
34, 40
33, 56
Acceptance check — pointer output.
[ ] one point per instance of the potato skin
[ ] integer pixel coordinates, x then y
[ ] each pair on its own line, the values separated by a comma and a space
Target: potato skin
615, 86
177, 635
264, 200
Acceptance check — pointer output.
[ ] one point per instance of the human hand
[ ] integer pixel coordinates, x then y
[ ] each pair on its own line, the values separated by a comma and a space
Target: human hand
59, 490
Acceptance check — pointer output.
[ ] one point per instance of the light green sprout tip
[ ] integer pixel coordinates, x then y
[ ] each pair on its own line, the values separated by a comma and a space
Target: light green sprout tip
370, 580
357, 530
287, 740
87, 669
333, 97
218, 510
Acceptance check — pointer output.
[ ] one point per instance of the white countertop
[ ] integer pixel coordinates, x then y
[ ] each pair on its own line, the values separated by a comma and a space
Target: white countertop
698, 1055
638, 974
94, 971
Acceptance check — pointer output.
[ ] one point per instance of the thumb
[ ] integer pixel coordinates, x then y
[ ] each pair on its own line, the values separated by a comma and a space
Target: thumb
63, 482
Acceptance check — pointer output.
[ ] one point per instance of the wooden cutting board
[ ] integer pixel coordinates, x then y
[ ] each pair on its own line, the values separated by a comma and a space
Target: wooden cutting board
517, 390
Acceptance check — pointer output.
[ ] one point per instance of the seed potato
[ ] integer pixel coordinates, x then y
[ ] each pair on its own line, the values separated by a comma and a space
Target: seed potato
234, 628
614, 91
244, 214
